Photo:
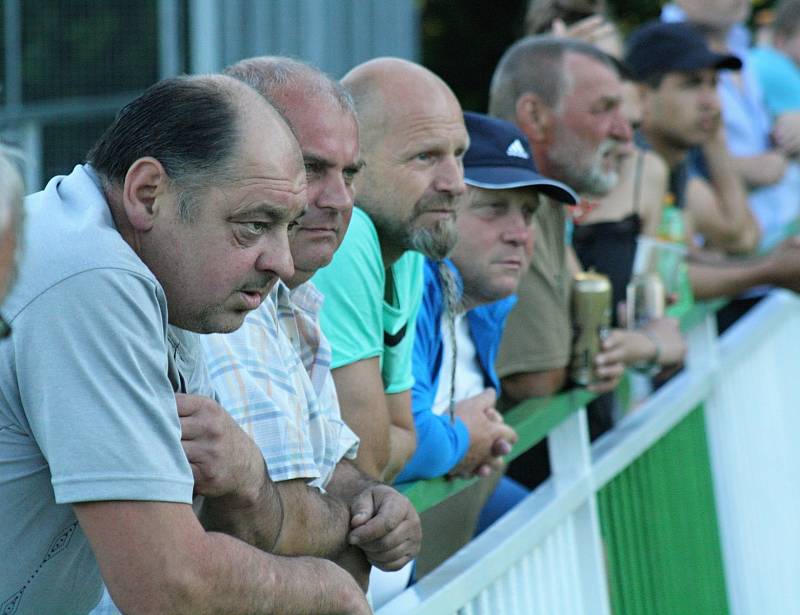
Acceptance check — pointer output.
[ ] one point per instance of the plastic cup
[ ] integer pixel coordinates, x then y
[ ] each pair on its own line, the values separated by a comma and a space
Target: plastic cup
663, 258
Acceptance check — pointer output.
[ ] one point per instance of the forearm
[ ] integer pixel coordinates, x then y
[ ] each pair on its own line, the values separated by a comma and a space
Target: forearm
236, 579
155, 558
402, 435
761, 170
522, 386
322, 521
257, 520
402, 444
637, 347
373, 457
230, 578
739, 232
363, 405
294, 519
725, 280
314, 523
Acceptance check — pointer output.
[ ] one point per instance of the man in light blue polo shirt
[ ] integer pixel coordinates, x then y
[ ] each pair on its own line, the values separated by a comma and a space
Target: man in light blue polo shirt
178, 225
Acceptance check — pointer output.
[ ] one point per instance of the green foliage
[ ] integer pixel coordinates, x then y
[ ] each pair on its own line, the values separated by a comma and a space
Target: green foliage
462, 42
631, 13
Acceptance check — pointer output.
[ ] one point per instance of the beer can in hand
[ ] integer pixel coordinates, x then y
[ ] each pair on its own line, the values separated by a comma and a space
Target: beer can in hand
644, 299
591, 320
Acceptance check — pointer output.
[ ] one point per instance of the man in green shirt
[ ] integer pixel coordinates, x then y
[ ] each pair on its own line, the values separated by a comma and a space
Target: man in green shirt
412, 138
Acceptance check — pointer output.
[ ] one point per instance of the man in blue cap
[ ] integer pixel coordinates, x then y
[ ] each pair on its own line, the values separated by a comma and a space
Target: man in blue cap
465, 303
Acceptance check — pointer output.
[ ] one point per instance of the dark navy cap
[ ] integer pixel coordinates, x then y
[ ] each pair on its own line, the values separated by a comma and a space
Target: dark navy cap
499, 158
658, 48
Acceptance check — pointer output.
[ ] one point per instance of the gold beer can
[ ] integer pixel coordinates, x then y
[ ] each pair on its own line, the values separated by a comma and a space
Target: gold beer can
591, 320
644, 299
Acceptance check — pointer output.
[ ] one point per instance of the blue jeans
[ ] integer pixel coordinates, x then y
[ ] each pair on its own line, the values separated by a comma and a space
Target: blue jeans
505, 496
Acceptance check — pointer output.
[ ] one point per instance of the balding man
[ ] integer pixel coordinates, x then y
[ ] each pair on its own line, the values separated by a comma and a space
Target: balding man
178, 225
412, 140
273, 375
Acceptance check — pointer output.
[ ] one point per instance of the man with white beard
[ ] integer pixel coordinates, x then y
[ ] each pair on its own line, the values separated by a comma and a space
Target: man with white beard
566, 96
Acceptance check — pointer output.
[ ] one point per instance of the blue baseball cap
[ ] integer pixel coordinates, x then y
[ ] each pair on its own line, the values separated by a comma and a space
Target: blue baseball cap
658, 48
499, 158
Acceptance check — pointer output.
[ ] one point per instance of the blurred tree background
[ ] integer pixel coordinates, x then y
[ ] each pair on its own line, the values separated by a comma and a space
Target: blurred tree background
73, 50
462, 41
99, 51
74, 54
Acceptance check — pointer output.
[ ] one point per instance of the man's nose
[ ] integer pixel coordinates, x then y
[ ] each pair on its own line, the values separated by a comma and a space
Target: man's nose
518, 232
709, 98
450, 176
335, 193
621, 129
275, 256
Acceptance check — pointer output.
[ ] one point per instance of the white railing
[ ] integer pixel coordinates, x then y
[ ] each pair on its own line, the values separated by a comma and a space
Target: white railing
753, 423
546, 555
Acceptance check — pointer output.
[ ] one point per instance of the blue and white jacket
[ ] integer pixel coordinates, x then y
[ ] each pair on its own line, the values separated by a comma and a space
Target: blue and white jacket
440, 443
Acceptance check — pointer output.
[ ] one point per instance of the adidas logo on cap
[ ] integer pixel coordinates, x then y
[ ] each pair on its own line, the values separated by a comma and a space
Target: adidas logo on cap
517, 150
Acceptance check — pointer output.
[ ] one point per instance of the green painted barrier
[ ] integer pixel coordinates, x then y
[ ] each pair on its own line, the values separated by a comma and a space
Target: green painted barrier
659, 524
532, 420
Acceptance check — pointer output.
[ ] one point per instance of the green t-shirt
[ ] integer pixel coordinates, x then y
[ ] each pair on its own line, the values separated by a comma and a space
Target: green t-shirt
355, 318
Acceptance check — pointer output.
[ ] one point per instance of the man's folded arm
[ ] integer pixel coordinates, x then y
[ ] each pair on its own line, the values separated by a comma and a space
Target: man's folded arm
156, 558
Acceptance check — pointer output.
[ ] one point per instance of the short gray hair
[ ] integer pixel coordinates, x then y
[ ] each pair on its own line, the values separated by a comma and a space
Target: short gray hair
269, 75
535, 64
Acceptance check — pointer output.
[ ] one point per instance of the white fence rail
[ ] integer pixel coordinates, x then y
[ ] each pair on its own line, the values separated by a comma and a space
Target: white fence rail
546, 555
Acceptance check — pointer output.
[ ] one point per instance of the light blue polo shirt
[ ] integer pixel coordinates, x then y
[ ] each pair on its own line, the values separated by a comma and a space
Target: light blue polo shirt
87, 404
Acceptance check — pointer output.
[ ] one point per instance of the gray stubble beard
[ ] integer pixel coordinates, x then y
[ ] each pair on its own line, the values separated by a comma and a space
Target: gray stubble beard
435, 242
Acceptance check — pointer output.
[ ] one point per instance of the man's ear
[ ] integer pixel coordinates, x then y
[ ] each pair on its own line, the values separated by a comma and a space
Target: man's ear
534, 117
145, 181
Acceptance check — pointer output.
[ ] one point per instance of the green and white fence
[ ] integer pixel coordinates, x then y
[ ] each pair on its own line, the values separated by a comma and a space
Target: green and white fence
691, 504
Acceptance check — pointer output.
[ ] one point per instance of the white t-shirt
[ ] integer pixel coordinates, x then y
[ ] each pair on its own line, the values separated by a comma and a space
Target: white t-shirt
469, 375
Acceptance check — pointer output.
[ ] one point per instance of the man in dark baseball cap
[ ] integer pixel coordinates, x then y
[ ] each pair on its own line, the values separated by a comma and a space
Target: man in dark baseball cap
681, 109
681, 115
658, 48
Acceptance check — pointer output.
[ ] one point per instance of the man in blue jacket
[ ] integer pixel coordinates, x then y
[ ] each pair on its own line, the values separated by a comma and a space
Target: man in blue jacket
465, 303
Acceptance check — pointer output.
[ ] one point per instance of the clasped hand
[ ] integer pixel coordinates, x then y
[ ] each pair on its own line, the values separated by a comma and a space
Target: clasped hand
224, 459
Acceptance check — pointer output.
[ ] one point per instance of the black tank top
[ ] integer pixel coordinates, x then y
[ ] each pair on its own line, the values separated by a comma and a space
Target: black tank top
610, 247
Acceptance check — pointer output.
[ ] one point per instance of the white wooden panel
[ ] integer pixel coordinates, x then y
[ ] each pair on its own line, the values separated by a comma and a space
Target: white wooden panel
753, 421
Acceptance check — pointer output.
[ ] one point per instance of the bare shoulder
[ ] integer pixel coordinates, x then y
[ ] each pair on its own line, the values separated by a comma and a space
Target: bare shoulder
654, 167
655, 182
